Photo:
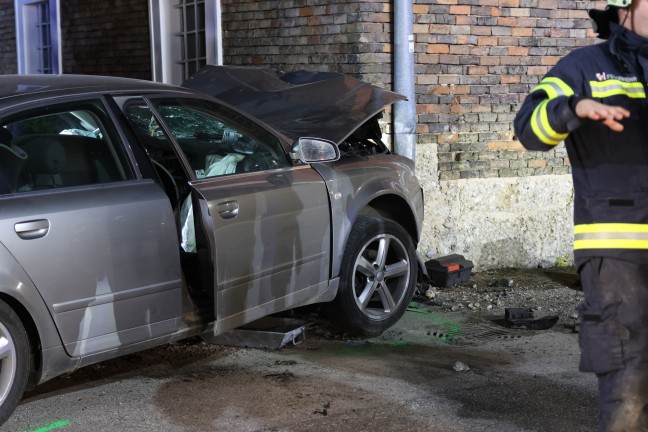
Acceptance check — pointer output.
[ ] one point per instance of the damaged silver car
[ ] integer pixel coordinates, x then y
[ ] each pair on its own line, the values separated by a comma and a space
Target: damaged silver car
134, 214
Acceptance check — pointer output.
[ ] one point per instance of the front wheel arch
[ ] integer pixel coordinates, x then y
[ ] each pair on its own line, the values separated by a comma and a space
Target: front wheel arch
396, 208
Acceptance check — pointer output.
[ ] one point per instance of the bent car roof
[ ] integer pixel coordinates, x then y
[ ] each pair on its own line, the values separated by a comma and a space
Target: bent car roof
18, 86
302, 103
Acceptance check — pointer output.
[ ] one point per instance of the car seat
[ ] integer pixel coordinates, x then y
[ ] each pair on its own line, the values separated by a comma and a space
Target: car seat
5, 187
12, 159
46, 159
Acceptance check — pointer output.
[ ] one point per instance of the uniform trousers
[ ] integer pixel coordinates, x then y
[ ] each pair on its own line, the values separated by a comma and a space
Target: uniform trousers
613, 340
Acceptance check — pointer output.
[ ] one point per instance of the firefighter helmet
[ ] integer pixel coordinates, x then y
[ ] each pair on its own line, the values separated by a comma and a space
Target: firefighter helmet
603, 18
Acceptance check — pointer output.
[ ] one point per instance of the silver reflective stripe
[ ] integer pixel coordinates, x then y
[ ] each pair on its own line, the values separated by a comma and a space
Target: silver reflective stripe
620, 89
611, 235
615, 87
554, 87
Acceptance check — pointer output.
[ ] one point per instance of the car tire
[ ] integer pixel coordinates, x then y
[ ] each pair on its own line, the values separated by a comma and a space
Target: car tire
377, 277
14, 360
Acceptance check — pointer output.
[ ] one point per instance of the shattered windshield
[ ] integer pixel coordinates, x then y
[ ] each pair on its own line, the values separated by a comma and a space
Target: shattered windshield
213, 140
187, 122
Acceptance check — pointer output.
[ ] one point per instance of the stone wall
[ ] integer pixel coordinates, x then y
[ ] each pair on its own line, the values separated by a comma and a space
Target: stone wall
501, 222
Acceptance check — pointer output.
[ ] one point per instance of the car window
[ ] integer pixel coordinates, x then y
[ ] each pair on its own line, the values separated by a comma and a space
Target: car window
60, 146
160, 149
213, 141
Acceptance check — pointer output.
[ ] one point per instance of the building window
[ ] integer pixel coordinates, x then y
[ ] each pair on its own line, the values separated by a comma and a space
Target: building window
193, 54
185, 35
37, 25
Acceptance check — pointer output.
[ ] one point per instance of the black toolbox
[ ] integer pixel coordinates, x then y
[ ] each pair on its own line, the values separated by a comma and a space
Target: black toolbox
449, 270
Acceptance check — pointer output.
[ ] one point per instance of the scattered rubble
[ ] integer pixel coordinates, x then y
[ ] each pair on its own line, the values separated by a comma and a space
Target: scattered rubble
460, 367
546, 291
523, 318
324, 410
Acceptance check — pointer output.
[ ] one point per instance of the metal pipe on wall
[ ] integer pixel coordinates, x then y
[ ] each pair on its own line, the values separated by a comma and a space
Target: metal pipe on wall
404, 119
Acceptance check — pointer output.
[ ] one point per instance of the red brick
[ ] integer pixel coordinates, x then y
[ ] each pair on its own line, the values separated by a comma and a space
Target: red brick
459, 10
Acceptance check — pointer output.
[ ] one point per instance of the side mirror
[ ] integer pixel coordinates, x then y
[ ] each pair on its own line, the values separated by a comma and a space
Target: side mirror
309, 150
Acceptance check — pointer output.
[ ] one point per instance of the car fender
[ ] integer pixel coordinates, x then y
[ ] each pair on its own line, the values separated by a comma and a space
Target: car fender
354, 184
17, 289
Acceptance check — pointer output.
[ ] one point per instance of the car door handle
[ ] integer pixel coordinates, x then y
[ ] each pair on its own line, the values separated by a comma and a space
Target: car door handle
32, 229
228, 209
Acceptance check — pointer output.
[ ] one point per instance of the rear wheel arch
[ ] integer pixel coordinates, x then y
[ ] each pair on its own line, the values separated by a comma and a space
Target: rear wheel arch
32, 335
16, 359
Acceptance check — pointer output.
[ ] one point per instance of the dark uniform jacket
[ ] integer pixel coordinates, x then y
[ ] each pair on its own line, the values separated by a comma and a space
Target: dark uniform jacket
609, 169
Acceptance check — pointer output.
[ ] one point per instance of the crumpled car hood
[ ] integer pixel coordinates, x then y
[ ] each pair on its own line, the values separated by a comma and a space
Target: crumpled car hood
324, 105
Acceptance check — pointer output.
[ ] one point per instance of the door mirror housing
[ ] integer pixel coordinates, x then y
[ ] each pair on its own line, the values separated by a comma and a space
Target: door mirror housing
309, 150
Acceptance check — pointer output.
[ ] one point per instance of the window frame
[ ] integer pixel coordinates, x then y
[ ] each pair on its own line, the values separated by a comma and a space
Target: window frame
25, 41
97, 109
164, 23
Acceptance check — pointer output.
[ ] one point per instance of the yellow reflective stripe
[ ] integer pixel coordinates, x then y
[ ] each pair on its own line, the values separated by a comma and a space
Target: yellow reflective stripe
554, 87
542, 129
602, 89
611, 228
611, 236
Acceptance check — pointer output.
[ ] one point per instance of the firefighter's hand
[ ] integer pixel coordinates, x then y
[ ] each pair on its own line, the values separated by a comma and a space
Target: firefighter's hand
609, 115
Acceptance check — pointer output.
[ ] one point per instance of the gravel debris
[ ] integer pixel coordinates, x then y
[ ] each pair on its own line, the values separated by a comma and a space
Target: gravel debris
547, 291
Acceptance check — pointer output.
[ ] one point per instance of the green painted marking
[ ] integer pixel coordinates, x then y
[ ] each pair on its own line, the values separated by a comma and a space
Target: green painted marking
397, 344
451, 328
55, 425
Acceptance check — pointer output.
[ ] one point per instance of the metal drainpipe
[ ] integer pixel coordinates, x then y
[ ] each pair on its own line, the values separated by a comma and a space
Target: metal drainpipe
219, 33
404, 120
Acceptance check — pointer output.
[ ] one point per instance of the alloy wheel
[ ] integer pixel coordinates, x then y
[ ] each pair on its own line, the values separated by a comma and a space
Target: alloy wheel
7, 362
381, 276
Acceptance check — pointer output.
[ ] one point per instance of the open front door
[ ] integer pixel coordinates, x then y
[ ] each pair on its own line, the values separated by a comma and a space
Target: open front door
271, 240
264, 223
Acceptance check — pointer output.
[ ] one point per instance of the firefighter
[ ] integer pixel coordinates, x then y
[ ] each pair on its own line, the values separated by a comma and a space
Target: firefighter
594, 100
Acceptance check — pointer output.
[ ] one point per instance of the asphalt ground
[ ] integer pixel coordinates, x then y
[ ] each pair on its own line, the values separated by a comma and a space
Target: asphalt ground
434, 371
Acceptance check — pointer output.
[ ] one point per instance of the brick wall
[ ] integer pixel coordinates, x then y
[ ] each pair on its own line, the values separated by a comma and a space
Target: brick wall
98, 37
106, 37
8, 56
476, 61
347, 36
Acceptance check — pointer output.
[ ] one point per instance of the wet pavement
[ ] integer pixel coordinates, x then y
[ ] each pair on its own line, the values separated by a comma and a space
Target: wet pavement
407, 379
